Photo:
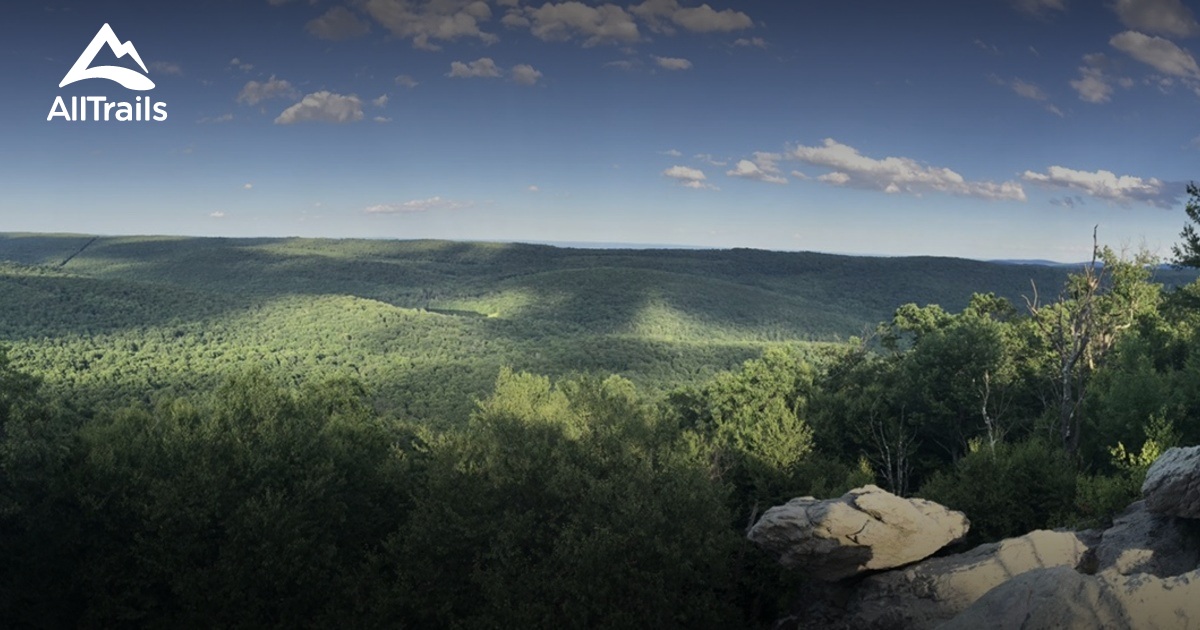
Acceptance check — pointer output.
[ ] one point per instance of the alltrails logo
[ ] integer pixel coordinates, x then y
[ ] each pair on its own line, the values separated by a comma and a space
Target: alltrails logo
142, 108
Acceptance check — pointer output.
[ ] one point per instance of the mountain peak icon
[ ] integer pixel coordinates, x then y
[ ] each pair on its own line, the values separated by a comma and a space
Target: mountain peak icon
126, 77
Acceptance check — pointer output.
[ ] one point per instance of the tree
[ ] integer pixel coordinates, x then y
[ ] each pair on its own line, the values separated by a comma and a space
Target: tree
563, 505
756, 418
1079, 329
1187, 254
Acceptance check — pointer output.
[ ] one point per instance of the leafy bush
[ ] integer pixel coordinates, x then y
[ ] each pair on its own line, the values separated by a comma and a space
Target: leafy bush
1008, 491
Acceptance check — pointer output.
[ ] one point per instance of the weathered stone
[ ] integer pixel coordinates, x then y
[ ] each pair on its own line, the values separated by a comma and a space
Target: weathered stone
866, 529
1172, 484
1057, 598
1141, 541
931, 592
1060, 598
1152, 602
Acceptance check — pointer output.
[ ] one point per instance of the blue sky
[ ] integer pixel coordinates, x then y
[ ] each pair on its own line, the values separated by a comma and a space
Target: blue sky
985, 129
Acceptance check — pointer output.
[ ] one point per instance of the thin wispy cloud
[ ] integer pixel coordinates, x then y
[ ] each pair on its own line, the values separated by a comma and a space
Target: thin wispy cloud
1123, 190
418, 205
1160, 17
337, 24
673, 63
255, 92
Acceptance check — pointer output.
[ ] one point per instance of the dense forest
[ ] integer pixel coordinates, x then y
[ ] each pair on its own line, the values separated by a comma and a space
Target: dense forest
300, 433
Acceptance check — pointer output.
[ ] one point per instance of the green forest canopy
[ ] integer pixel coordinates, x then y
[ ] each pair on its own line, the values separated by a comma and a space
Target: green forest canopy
284, 433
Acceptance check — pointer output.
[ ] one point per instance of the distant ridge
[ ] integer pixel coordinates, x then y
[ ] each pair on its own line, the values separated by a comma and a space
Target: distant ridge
1034, 261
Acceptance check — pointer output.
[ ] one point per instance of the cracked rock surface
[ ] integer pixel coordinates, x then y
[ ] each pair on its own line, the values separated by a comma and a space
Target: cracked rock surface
866, 529
1172, 485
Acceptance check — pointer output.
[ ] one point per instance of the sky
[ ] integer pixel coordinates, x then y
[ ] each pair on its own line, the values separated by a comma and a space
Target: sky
989, 129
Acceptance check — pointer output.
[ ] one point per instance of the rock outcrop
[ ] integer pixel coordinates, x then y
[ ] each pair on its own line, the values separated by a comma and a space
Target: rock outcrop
1141, 541
1062, 599
1172, 484
1057, 598
934, 591
864, 530
869, 551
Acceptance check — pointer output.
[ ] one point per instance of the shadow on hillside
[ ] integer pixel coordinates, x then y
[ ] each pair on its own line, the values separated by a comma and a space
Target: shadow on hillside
768, 295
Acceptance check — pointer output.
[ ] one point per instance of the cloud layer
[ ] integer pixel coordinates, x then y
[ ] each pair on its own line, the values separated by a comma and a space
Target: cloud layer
896, 174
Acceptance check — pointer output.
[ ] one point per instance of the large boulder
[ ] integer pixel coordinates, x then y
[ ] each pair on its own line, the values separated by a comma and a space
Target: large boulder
931, 592
1172, 484
864, 530
1141, 541
1062, 599
1058, 598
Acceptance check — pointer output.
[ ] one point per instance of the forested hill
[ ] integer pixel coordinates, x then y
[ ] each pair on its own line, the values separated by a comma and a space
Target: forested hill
427, 324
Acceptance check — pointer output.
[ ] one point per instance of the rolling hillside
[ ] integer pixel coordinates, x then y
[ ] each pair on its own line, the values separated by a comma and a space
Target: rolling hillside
428, 324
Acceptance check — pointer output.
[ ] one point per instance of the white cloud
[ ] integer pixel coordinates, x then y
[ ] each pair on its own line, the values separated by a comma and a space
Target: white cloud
1165, 17
338, 23
672, 63
1040, 8
839, 178
1030, 91
1092, 86
382, 119
217, 214
241, 65
756, 42
418, 205
247, 186
256, 92
514, 19
899, 174
672, 153
703, 19
663, 15
166, 67
749, 170
604, 24
1159, 53
525, 74
483, 67
1027, 90
688, 177
533, 189
428, 22
1123, 190
1095, 84
381, 101
323, 106
763, 168
407, 81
